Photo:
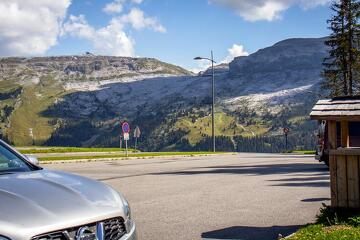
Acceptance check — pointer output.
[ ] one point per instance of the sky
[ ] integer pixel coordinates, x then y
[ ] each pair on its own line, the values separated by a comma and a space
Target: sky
173, 31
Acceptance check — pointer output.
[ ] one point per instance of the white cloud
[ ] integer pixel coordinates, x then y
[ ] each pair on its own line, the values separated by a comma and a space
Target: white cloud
112, 39
306, 4
109, 40
202, 65
114, 7
138, 21
117, 6
235, 51
78, 26
30, 27
269, 10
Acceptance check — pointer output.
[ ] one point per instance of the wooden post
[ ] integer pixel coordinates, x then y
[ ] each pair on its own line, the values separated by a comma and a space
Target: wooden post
342, 188
353, 181
332, 135
332, 162
343, 169
345, 142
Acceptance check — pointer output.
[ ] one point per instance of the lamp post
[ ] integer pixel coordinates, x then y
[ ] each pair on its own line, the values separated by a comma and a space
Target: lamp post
213, 97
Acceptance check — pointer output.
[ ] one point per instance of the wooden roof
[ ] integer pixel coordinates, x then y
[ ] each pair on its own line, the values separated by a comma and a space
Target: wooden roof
341, 108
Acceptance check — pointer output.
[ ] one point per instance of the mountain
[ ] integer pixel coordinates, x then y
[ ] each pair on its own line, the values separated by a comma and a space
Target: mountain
80, 100
30, 87
278, 74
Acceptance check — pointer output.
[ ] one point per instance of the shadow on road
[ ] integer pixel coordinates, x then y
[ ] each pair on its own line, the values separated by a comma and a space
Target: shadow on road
255, 169
308, 178
305, 181
313, 175
315, 199
304, 184
251, 233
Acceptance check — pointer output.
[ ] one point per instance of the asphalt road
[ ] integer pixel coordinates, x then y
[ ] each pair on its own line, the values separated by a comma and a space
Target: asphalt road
241, 196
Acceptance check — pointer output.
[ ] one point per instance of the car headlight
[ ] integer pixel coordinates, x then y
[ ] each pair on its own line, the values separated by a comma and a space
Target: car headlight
3, 238
129, 224
126, 207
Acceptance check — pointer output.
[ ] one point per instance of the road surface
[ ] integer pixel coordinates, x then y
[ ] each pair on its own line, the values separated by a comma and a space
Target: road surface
239, 196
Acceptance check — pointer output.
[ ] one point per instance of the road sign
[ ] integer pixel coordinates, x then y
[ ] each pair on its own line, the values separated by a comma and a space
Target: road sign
137, 132
286, 130
125, 127
121, 139
126, 130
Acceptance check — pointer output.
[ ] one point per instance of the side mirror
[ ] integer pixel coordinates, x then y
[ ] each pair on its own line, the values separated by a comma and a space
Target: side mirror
32, 159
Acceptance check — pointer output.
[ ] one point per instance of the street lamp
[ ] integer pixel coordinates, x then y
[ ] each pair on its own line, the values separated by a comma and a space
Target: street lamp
213, 96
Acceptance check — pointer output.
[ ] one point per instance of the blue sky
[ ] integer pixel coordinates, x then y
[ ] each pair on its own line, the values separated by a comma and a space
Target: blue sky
173, 31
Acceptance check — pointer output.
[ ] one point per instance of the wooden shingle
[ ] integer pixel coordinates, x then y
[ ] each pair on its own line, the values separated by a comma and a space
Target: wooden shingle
342, 108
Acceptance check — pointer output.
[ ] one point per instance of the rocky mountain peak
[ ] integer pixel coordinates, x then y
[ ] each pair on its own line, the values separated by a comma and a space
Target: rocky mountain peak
287, 55
86, 66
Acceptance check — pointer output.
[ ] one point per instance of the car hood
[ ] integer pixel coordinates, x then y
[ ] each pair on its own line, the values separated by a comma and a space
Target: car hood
33, 203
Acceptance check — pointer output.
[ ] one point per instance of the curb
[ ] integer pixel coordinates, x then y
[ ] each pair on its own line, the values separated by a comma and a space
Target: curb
125, 158
291, 235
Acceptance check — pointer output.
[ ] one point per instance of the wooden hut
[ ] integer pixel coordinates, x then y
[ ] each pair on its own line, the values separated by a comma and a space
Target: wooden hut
343, 147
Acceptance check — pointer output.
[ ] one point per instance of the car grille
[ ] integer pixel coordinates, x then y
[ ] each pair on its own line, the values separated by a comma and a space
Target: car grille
51, 236
114, 229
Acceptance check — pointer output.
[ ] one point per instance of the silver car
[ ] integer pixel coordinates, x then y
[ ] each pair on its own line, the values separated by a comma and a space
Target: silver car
38, 204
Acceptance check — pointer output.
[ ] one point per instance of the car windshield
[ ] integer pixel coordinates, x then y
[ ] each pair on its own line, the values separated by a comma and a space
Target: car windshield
9, 162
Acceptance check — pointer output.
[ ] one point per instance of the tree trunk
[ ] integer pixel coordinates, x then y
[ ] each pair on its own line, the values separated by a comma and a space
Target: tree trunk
350, 47
344, 61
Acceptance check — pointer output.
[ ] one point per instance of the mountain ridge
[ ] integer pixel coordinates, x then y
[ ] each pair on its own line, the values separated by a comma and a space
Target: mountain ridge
256, 96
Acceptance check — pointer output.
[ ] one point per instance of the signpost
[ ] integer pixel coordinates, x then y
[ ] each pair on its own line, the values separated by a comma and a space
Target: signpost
121, 141
286, 132
126, 130
137, 134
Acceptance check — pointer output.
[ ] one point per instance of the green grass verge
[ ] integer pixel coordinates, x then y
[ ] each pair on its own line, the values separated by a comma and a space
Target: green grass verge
68, 150
309, 152
320, 232
132, 155
332, 225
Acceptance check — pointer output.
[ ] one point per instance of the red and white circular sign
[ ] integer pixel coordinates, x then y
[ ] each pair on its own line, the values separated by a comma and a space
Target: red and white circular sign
286, 130
125, 127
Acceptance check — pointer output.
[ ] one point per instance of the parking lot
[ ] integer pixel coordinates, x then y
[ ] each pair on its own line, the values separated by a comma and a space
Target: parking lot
230, 196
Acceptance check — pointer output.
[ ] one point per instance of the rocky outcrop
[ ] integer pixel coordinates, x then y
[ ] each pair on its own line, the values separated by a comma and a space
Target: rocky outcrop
85, 67
285, 56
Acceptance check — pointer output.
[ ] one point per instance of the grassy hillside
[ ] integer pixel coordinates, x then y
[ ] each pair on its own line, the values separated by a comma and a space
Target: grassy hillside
28, 126
239, 130
225, 125
31, 86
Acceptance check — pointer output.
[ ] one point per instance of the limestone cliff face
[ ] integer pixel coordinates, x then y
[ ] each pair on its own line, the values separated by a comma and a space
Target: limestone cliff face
85, 66
288, 55
279, 73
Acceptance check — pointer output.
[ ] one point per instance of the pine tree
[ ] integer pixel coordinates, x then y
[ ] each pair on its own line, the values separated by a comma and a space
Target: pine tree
341, 67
